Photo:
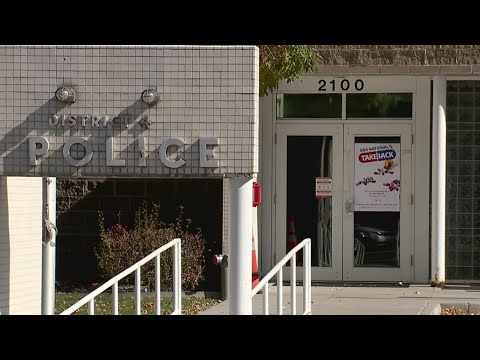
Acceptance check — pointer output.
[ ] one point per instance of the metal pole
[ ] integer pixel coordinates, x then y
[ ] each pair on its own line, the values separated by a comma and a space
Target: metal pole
138, 297
293, 284
48, 246
115, 298
157, 285
439, 150
240, 259
280, 291
224, 278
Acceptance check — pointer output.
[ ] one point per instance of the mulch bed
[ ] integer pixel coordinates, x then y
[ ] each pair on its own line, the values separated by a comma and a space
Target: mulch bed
455, 311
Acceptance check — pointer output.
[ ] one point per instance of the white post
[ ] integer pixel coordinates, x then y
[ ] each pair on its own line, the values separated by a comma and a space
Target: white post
439, 150
240, 257
157, 285
138, 297
48, 247
115, 298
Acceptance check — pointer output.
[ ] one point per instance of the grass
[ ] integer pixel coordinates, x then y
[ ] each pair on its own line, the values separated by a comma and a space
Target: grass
126, 304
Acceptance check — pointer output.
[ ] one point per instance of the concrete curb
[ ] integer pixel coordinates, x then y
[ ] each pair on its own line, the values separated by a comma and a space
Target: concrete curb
435, 308
430, 308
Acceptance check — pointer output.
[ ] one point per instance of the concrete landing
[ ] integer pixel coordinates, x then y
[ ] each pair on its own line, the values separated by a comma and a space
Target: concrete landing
366, 300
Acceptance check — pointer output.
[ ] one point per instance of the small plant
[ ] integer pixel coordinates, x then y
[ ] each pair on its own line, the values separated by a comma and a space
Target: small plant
121, 247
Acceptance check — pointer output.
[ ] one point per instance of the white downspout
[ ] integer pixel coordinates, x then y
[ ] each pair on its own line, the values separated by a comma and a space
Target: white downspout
48, 245
439, 150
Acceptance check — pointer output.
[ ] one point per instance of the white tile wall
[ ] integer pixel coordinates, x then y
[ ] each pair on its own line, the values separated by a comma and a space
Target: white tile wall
20, 245
205, 91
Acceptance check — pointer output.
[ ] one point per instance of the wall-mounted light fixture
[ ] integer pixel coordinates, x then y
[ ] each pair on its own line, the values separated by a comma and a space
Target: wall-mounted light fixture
66, 94
150, 97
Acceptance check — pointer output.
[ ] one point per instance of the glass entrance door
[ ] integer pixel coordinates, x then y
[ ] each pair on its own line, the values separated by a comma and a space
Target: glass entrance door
340, 186
309, 179
377, 202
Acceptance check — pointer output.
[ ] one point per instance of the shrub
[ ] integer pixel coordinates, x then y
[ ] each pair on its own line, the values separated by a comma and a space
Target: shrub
121, 247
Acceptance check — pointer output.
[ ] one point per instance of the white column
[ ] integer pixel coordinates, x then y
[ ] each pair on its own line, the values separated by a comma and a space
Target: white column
439, 150
240, 258
48, 248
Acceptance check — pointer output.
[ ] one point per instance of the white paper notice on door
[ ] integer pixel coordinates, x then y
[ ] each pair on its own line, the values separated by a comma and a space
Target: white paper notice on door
377, 177
323, 187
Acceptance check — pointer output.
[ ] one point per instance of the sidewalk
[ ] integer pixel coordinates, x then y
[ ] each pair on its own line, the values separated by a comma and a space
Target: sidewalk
368, 300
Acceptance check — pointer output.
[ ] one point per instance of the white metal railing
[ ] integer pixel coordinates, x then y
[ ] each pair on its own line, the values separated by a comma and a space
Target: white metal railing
307, 280
113, 282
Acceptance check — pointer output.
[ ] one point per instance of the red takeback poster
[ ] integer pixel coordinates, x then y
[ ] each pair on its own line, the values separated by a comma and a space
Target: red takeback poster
377, 177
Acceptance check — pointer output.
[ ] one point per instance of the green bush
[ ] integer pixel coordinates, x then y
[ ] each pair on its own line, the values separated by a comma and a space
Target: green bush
121, 247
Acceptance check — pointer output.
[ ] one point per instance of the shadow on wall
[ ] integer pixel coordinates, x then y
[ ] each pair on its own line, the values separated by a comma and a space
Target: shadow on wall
4, 249
78, 203
14, 146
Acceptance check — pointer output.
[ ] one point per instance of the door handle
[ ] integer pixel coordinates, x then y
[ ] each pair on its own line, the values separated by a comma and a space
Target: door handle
349, 207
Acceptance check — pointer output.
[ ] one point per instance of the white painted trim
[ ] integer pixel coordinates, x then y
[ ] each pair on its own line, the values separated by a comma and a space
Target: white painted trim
266, 178
333, 273
421, 188
308, 84
420, 122
462, 77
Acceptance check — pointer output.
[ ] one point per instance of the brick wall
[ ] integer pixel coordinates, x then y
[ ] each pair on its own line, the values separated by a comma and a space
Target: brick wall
78, 203
398, 59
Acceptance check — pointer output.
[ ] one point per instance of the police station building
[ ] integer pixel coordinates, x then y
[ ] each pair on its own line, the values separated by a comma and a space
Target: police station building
375, 155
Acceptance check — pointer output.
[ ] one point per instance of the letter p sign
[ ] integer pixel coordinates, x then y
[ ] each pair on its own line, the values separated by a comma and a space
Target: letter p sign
37, 146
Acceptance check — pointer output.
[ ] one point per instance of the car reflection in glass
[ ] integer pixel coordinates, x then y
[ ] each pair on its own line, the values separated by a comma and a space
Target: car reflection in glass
375, 246
374, 237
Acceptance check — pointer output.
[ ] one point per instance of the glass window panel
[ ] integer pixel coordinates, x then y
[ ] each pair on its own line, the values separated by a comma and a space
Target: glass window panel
464, 272
466, 85
466, 99
452, 86
309, 106
465, 152
379, 105
463, 126
452, 113
452, 98
451, 272
465, 115
309, 216
451, 257
476, 258
377, 205
463, 179
452, 126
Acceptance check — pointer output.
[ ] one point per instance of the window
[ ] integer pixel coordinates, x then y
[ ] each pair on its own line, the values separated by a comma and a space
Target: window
379, 105
323, 106
462, 240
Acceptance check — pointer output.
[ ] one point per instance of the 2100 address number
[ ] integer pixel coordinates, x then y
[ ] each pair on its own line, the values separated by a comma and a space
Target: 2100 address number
344, 85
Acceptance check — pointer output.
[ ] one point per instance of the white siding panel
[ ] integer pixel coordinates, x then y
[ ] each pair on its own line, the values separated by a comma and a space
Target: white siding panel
20, 245
4, 250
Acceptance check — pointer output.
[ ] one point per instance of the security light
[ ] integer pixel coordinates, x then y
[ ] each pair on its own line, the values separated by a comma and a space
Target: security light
65, 94
150, 97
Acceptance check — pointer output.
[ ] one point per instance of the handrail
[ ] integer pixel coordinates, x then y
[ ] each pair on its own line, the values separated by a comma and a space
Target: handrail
290, 256
113, 282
